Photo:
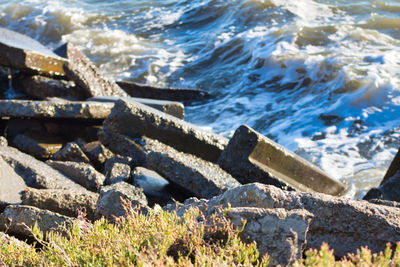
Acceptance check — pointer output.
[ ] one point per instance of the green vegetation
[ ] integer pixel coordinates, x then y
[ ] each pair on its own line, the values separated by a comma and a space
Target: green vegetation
163, 239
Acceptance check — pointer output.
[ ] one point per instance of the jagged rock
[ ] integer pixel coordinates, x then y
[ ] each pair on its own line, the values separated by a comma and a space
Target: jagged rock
110, 205
389, 190
5, 238
134, 119
82, 173
35, 173
200, 177
17, 220
62, 201
278, 232
11, 185
97, 153
3, 141
252, 157
71, 152
51, 109
24, 53
41, 145
117, 169
41, 87
86, 75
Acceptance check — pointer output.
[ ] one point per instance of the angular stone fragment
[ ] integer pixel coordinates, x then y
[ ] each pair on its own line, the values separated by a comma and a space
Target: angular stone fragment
71, 152
110, 204
23, 53
5, 238
278, 232
134, 119
49, 109
172, 94
11, 185
35, 172
65, 202
201, 178
82, 173
17, 220
41, 145
175, 109
389, 190
252, 157
41, 87
117, 169
97, 153
393, 168
86, 75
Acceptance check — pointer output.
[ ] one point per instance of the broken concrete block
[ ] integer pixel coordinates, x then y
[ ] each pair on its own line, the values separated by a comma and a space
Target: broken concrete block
110, 204
11, 184
393, 168
134, 119
252, 157
35, 172
71, 152
175, 109
86, 75
41, 87
48, 109
97, 153
201, 178
21, 52
41, 145
172, 94
65, 202
389, 190
82, 173
17, 221
278, 232
117, 169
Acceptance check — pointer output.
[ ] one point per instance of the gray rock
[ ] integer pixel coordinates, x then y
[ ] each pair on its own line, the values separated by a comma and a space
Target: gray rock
86, 75
36, 173
71, 152
11, 184
3, 141
5, 238
39, 144
97, 153
17, 220
252, 157
65, 202
117, 169
202, 178
278, 232
24, 53
82, 173
110, 205
135, 119
389, 190
51, 109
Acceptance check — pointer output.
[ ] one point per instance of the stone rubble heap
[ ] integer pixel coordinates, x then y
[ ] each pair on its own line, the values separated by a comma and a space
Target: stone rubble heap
75, 142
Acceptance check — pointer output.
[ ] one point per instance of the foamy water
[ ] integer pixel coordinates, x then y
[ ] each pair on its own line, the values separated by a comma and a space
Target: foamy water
319, 77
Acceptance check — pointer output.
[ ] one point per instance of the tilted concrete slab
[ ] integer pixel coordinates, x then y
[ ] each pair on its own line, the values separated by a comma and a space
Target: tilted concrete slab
21, 52
52, 109
252, 157
393, 168
134, 119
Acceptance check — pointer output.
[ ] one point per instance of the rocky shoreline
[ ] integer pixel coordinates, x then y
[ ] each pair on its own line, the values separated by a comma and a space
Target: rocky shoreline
75, 142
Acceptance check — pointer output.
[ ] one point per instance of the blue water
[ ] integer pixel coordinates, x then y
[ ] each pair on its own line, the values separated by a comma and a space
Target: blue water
319, 77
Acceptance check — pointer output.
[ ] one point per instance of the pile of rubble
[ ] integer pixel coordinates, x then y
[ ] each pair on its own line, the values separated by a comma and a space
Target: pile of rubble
77, 142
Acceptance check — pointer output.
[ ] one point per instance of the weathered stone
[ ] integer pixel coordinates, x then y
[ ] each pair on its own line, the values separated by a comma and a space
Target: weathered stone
35, 172
172, 94
393, 168
117, 169
71, 152
173, 108
252, 157
344, 224
24, 53
38, 144
278, 232
97, 153
110, 204
50, 109
82, 173
3, 141
201, 178
134, 119
11, 184
86, 75
389, 190
5, 238
65, 202
41, 87
17, 220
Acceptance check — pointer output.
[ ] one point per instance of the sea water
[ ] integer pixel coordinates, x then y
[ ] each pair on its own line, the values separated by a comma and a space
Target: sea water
321, 77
